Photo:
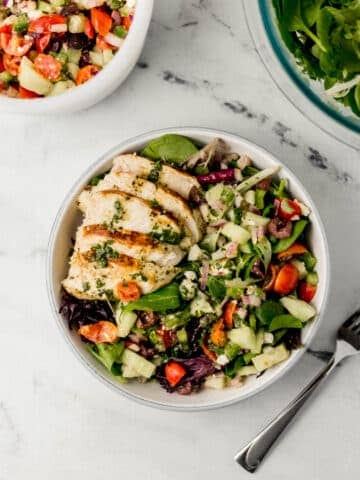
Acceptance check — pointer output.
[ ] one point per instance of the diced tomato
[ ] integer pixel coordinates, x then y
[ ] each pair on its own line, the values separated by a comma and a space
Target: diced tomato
48, 66
89, 29
174, 372
168, 336
229, 311
11, 64
217, 335
128, 291
306, 291
24, 93
270, 278
102, 45
6, 28
288, 209
100, 332
295, 249
126, 22
85, 73
102, 22
15, 44
43, 24
42, 42
287, 279
2, 68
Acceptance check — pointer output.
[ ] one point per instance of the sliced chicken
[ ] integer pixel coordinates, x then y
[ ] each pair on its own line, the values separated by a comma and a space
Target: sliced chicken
119, 210
87, 281
167, 200
175, 180
125, 242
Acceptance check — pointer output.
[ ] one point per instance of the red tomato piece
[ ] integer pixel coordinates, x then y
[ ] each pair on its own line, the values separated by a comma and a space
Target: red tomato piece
85, 73
306, 291
174, 372
2, 68
286, 280
102, 45
288, 209
15, 44
6, 28
128, 292
11, 64
48, 66
43, 24
126, 22
100, 332
102, 22
42, 42
24, 93
89, 29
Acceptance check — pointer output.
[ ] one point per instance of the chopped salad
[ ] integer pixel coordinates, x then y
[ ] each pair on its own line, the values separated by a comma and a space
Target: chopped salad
50, 46
240, 295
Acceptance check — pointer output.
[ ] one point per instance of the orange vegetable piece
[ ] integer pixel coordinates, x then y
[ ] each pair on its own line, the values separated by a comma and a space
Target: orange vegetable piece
11, 64
211, 355
85, 73
100, 332
128, 291
48, 66
174, 372
286, 280
102, 22
229, 311
217, 335
295, 249
126, 22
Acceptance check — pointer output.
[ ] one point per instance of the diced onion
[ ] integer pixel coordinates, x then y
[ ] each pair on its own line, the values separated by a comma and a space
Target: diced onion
58, 28
113, 40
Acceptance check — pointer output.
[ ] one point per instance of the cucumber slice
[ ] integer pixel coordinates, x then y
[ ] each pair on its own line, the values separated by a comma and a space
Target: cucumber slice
235, 233
244, 337
73, 70
30, 79
73, 55
135, 365
218, 382
252, 219
300, 266
245, 371
125, 321
76, 23
250, 197
298, 308
272, 356
61, 87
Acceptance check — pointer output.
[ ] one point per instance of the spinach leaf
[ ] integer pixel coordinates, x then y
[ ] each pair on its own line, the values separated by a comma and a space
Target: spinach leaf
109, 354
166, 298
269, 310
217, 288
285, 243
284, 321
170, 148
233, 367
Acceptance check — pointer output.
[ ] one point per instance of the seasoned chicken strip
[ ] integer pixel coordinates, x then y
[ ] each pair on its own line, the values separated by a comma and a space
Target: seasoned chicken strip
87, 280
175, 180
125, 242
167, 200
119, 210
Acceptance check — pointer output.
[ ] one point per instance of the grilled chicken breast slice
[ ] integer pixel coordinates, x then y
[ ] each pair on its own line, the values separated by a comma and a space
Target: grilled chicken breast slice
121, 210
167, 200
125, 242
175, 180
86, 280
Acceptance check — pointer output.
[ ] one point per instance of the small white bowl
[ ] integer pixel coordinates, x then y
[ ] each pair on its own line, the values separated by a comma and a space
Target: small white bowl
152, 394
99, 87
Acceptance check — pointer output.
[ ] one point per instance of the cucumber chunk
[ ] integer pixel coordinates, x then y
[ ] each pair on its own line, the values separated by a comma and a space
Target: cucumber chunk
272, 356
125, 320
298, 308
235, 233
244, 337
135, 365
30, 79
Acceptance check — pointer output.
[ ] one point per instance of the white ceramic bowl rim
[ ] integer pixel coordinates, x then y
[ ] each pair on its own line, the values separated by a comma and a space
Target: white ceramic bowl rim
122, 147
99, 86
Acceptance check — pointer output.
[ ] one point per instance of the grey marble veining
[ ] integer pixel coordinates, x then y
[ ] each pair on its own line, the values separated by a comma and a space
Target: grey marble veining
198, 67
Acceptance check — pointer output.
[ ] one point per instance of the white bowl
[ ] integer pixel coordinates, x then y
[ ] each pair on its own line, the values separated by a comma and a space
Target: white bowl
99, 87
152, 394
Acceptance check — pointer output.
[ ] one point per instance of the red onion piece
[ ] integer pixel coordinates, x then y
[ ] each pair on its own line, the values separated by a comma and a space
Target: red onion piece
204, 275
115, 15
217, 177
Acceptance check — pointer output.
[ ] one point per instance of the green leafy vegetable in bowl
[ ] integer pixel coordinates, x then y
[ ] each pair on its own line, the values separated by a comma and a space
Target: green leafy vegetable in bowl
324, 37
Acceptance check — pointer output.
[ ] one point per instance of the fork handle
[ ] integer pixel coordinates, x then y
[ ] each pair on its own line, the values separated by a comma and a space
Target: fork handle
253, 453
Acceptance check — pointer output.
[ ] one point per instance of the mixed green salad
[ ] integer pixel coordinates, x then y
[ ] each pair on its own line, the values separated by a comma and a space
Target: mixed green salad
242, 294
324, 37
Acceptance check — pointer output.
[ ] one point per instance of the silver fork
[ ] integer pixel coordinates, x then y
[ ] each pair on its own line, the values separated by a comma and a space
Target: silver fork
347, 344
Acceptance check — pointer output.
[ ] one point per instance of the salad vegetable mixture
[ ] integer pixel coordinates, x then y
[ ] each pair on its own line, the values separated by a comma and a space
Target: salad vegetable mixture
324, 37
241, 296
49, 46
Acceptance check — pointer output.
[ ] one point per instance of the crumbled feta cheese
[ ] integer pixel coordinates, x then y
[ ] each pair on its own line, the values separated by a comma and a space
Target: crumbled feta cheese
222, 359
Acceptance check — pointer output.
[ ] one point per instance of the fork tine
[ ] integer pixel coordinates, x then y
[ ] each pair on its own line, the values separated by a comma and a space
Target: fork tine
350, 330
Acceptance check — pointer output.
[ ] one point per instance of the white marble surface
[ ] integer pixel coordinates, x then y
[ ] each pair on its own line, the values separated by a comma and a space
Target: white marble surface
57, 421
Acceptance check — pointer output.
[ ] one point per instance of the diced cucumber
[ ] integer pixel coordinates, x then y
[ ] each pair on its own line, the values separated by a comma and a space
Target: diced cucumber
30, 79
96, 58
298, 308
199, 306
213, 195
259, 341
272, 356
125, 321
208, 243
217, 382
252, 219
73, 55
300, 266
45, 7
61, 87
182, 336
58, 3
107, 55
236, 233
76, 23
250, 197
195, 252
231, 350
135, 365
73, 70
247, 370
244, 337
312, 278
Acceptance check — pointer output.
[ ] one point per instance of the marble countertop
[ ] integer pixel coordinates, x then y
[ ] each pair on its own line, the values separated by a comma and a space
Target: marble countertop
198, 67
